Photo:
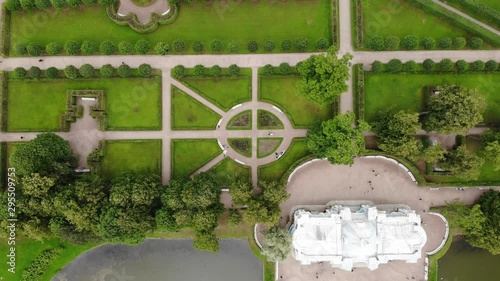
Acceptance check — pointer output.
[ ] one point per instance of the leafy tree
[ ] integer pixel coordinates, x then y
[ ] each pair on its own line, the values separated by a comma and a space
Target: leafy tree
34, 49
445, 43
410, 42
454, 110
107, 71
268, 70
87, 70
165, 220
72, 48
179, 46
233, 46
47, 154
463, 163
264, 207
89, 2
459, 43
88, 47
286, 45
20, 72
322, 44
142, 47
198, 46
284, 68
71, 72
337, 140
252, 46
492, 153
277, 244
145, 70
324, 77
20, 49
52, 72
125, 47
394, 66
74, 3
206, 241
13, 5
433, 153
34, 72
301, 44
269, 45
234, 70
491, 65
377, 67
42, 4
489, 204
446, 65
107, 47
124, 71
376, 43
428, 43
215, 71
27, 5
392, 43
234, 217
216, 46
462, 218
199, 70
462, 66
475, 43
58, 4
409, 66
428, 65
273, 193
179, 71
477, 65
53, 48
105, 3
162, 48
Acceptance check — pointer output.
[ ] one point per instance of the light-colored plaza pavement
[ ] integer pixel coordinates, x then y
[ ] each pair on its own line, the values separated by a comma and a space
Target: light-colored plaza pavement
320, 182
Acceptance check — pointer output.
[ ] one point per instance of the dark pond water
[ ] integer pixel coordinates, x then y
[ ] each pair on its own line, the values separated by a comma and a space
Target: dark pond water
165, 260
463, 262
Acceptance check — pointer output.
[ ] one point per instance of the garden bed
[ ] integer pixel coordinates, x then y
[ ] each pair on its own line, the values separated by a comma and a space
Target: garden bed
241, 121
242, 145
267, 120
267, 146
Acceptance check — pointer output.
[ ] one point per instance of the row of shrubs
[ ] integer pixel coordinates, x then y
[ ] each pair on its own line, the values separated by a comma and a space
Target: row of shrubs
30, 5
37, 267
359, 73
3, 100
479, 8
282, 69
200, 71
411, 42
428, 65
442, 12
359, 23
85, 71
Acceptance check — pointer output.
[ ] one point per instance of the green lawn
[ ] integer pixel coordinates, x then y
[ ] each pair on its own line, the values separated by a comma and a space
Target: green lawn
282, 91
138, 156
227, 170
405, 91
240, 21
225, 92
494, 4
190, 114
36, 105
190, 154
400, 18
275, 170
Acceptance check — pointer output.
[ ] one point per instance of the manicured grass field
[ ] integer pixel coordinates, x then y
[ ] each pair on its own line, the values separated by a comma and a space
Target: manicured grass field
132, 103
275, 171
138, 156
225, 92
492, 3
240, 21
405, 91
190, 154
282, 91
227, 170
400, 18
190, 114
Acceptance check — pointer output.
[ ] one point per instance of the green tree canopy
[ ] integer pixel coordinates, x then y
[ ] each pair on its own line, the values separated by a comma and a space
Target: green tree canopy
463, 163
337, 139
324, 77
277, 244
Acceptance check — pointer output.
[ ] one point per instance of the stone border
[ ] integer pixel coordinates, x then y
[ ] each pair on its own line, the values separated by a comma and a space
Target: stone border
446, 234
302, 166
255, 236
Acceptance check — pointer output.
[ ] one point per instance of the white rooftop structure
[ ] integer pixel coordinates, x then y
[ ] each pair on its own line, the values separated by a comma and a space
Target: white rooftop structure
356, 235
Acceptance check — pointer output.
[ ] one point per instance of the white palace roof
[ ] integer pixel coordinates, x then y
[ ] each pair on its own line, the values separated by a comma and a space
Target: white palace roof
357, 235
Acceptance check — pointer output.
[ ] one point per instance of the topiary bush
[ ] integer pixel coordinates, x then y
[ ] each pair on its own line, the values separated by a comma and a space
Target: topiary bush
409, 66
179, 71
269, 45
410, 42
107, 47
27, 5
252, 46
179, 46
394, 66
377, 67
491, 65
88, 48
53, 48
459, 43
89, 2
162, 49
392, 43
142, 47
107, 71
376, 43
52, 72
125, 47
87, 71
198, 46
446, 65
461, 66
233, 46
322, 44
58, 4
216, 71
445, 43
302, 44
284, 68
42, 4
72, 48
216, 46
477, 66
71, 72
475, 43
19, 72
34, 72
13, 5
74, 3
234, 70
428, 43
124, 71
286, 45
20, 49
34, 49
145, 70
268, 70
428, 65
199, 70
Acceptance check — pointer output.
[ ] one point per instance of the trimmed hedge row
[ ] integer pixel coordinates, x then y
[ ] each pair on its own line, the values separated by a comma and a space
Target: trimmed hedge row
200, 71
85, 71
30, 5
282, 69
3, 99
4, 39
38, 266
359, 78
3, 164
411, 42
479, 8
95, 157
131, 19
428, 66
442, 12
359, 23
